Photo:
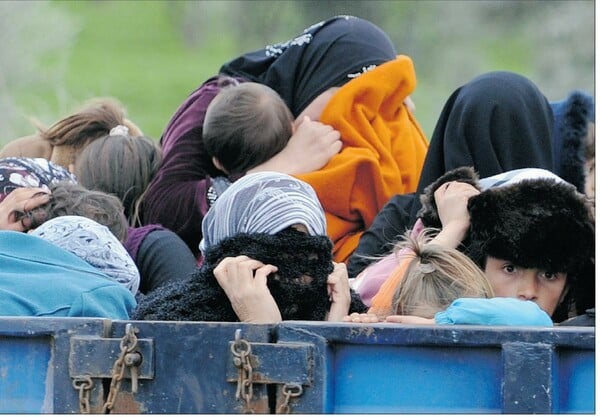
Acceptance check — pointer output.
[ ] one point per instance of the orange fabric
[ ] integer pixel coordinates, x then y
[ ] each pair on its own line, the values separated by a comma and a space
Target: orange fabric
383, 300
382, 155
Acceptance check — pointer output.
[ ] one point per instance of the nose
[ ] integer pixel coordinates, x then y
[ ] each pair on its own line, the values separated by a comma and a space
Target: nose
528, 286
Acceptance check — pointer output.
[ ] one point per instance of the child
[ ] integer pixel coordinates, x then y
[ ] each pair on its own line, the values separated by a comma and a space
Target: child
124, 165
245, 125
441, 285
532, 236
64, 140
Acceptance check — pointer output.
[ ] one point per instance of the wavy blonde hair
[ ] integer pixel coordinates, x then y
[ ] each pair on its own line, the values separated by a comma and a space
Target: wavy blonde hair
435, 277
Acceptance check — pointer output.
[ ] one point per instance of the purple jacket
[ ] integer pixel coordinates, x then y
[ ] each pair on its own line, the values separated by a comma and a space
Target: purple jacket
177, 196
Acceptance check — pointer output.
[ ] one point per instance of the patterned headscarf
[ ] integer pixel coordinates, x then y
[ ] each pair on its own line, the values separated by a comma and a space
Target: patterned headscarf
264, 202
20, 172
327, 54
93, 243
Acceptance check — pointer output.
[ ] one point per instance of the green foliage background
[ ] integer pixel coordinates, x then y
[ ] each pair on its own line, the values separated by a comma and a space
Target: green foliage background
151, 54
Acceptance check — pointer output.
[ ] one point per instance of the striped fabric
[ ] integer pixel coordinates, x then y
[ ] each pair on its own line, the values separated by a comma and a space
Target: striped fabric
265, 202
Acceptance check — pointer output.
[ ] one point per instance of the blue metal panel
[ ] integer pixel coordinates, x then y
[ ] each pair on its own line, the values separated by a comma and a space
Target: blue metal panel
390, 379
342, 367
576, 381
388, 368
24, 369
34, 356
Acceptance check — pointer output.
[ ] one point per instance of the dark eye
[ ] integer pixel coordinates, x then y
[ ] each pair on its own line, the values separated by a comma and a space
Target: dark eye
509, 268
550, 276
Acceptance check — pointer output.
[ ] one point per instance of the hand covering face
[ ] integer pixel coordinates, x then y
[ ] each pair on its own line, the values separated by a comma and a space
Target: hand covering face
93, 243
265, 202
326, 54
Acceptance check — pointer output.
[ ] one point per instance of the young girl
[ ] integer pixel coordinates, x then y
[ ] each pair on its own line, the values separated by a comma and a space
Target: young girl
531, 233
123, 165
441, 285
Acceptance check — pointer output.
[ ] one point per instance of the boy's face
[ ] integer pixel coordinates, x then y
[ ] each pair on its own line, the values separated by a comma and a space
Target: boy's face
545, 288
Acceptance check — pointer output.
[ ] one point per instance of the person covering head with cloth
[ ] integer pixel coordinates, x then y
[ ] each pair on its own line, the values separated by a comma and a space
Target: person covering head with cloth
266, 259
345, 72
497, 122
383, 158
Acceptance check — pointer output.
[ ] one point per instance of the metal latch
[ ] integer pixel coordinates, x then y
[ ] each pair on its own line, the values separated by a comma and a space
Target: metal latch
117, 359
287, 364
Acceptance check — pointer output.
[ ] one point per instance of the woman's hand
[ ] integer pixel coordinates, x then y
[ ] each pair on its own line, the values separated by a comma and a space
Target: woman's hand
362, 318
244, 281
338, 290
451, 199
311, 146
409, 320
17, 203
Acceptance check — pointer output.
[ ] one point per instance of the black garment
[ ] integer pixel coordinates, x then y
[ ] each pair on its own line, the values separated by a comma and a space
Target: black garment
327, 54
200, 298
588, 319
497, 122
571, 118
379, 239
155, 260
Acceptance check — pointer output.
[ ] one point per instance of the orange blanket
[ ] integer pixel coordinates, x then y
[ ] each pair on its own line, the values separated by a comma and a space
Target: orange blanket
383, 152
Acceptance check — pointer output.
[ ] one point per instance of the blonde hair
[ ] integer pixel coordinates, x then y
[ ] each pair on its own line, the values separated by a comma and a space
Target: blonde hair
435, 277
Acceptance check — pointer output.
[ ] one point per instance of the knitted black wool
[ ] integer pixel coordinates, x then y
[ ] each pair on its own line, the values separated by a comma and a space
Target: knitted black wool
294, 253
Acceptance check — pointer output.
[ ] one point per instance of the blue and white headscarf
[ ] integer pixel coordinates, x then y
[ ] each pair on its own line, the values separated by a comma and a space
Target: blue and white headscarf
95, 244
264, 202
517, 175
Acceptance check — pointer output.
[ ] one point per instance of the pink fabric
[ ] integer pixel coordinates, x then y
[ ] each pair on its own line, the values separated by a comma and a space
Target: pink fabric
373, 277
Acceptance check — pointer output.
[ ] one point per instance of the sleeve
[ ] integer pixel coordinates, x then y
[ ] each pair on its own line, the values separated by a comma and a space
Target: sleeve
498, 311
112, 301
163, 257
177, 196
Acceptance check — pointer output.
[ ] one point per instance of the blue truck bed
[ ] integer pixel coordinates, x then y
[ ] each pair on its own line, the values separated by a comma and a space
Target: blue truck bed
78, 365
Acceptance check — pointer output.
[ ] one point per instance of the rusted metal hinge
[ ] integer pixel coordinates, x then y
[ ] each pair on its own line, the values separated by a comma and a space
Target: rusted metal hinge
287, 364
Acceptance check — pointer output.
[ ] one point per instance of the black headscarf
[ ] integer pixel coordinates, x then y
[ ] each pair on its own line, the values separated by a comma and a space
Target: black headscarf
327, 54
498, 122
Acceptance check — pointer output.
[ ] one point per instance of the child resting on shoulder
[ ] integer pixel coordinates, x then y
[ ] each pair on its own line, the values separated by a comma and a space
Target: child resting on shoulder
245, 125
442, 285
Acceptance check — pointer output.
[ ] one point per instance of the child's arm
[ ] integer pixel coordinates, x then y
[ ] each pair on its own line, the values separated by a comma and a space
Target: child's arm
451, 200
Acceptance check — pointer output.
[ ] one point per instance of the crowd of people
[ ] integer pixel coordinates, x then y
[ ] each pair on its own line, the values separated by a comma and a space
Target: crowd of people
297, 184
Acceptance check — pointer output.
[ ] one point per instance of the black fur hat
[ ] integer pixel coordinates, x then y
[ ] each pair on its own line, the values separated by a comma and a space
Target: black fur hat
294, 253
428, 212
537, 223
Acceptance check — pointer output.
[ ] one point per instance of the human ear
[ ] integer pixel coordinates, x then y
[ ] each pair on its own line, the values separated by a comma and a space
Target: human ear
218, 164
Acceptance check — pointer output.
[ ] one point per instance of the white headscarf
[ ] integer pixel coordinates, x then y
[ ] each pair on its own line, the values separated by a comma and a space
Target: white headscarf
95, 244
264, 202
517, 175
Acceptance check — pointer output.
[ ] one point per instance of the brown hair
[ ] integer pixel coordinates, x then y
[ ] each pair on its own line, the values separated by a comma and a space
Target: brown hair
245, 125
92, 121
120, 165
436, 277
69, 199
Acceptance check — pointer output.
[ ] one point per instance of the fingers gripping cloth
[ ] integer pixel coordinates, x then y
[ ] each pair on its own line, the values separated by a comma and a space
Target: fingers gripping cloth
299, 287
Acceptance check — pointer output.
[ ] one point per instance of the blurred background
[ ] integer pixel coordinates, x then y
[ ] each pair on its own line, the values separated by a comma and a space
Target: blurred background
149, 55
